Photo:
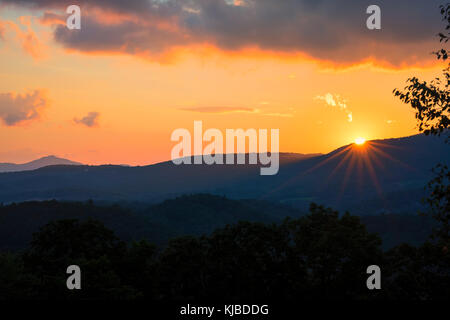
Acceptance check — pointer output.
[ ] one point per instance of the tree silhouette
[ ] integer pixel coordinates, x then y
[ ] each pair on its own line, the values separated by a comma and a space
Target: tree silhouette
87, 244
424, 272
431, 102
319, 256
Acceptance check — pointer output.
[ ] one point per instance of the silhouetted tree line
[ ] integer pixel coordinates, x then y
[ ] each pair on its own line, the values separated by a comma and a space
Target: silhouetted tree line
319, 256
430, 100
193, 215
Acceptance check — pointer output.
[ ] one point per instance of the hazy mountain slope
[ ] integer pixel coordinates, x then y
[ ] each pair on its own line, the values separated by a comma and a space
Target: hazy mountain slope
187, 215
382, 176
108, 182
18, 222
36, 164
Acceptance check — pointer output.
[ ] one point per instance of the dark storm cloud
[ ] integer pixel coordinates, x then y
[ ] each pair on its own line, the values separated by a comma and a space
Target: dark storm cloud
128, 5
126, 36
333, 30
160, 8
325, 29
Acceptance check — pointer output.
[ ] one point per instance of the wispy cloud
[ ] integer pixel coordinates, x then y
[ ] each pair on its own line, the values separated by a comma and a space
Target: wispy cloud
18, 108
277, 114
227, 110
221, 110
336, 101
2, 30
50, 18
28, 39
90, 120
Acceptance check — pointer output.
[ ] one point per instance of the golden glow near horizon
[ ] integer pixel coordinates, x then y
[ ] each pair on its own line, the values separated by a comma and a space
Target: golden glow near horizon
360, 141
114, 108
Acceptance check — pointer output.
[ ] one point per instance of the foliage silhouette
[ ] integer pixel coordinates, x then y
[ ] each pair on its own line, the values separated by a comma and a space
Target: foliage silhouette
322, 255
431, 102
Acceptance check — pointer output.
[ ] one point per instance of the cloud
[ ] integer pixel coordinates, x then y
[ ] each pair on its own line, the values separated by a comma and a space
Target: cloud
336, 101
2, 30
227, 110
349, 116
27, 38
18, 108
221, 110
278, 114
90, 120
50, 18
326, 30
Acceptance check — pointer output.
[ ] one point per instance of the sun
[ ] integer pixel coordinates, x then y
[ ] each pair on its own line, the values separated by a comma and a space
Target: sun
360, 141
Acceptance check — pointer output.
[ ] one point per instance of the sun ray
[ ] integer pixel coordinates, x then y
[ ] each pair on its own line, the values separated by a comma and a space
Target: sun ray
301, 174
387, 156
385, 145
375, 181
340, 164
375, 157
359, 161
348, 173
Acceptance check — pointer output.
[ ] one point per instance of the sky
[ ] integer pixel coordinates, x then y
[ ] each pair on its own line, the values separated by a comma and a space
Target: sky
114, 91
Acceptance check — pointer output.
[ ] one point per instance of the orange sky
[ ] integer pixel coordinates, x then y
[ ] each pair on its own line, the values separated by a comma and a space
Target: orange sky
140, 101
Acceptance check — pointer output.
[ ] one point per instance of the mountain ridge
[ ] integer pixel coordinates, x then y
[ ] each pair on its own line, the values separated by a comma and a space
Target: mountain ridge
36, 164
382, 176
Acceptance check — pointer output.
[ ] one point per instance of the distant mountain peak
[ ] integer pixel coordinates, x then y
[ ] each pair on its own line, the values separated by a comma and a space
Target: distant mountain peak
50, 157
50, 160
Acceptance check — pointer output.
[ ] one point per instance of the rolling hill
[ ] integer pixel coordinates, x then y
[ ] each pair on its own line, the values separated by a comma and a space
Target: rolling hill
193, 215
383, 176
36, 164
